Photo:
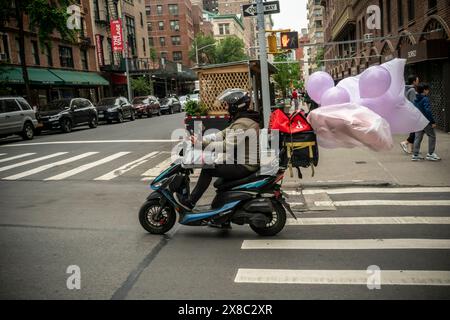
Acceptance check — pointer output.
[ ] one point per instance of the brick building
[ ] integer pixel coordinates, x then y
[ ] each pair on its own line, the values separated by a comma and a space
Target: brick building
415, 30
57, 69
316, 31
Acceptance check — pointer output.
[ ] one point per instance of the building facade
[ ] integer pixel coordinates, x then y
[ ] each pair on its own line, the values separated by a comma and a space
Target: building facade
316, 33
211, 5
417, 31
56, 69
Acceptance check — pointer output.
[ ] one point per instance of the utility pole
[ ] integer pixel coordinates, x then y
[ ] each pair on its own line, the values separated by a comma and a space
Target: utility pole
265, 88
125, 53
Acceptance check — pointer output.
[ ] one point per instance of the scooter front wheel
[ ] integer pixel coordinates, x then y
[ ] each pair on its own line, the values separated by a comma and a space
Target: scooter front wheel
275, 225
155, 220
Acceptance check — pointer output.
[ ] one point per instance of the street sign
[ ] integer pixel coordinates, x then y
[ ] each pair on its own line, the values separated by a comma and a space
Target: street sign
270, 7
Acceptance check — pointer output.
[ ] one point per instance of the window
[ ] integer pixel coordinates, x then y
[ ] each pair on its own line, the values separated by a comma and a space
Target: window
432, 4
23, 104
173, 9
159, 10
5, 45
131, 34
148, 10
411, 10
65, 57
82, 28
224, 28
10, 105
19, 59
141, 18
35, 52
48, 54
164, 55
84, 59
389, 19
177, 56
400, 13
109, 49
149, 27
162, 41
176, 40
151, 42
143, 46
161, 25
175, 25
96, 10
318, 23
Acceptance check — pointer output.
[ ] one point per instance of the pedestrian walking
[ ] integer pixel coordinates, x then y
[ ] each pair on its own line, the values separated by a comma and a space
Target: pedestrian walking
410, 93
295, 98
422, 102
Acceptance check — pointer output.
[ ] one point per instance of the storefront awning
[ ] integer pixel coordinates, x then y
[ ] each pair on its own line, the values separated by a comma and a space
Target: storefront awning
36, 76
80, 78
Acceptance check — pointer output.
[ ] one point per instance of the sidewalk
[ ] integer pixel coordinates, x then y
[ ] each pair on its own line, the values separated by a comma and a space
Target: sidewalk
360, 166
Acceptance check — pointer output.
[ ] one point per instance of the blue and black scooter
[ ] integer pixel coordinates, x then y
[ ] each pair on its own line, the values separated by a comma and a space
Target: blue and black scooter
256, 200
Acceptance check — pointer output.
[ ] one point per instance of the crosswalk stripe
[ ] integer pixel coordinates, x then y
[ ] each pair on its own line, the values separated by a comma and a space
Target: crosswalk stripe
2, 154
86, 166
126, 167
343, 277
48, 166
374, 190
356, 203
366, 221
23, 163
156, 170
16, 157
347, 244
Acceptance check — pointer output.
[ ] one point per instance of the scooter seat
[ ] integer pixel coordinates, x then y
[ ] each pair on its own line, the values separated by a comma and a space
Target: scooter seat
221, 184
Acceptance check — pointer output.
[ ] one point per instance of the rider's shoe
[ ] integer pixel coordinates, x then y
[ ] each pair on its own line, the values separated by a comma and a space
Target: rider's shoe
186, 204
225, 225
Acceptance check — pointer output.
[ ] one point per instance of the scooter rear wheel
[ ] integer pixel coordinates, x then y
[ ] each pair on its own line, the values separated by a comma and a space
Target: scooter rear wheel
153, 224
275, 225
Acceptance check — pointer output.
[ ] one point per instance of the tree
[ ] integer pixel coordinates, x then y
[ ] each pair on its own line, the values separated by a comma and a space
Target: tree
153, 54
207, 52
45, 17
230, 49
141, 86
319, 57
288, 74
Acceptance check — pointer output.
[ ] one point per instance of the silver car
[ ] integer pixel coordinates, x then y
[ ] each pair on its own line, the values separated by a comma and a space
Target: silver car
17, 117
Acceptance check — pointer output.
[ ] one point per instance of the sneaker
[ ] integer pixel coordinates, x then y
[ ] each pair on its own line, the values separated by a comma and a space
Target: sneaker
405, 147
416, 158
182, 202
433, 157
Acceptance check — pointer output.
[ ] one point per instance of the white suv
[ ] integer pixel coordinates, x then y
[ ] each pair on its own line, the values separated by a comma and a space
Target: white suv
17, 117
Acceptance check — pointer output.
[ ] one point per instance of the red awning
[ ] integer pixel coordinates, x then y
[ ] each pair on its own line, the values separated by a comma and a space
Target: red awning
117, 78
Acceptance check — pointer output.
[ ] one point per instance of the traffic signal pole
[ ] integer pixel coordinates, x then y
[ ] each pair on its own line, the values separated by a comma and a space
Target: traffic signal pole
265, 88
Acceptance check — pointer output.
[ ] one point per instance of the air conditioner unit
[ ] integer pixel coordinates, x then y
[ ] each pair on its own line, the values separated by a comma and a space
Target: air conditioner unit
3, 56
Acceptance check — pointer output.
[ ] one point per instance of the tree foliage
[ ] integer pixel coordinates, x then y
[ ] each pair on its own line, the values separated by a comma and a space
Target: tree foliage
230, 49
206, 55
141, 86
288, 74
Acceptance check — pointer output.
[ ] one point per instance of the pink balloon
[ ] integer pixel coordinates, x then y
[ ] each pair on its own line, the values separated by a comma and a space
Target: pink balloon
317, 84
335, 95
374, 82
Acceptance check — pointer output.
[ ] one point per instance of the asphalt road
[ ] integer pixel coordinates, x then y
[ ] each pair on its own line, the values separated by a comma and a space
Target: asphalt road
70, 200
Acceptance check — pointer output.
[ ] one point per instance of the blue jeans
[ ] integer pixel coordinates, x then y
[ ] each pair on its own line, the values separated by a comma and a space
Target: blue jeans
429, 131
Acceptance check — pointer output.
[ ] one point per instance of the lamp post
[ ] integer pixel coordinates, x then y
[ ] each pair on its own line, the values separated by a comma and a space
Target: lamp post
197, 50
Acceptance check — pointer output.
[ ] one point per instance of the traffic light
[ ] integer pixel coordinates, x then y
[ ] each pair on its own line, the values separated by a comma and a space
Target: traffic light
289, 40
273, 47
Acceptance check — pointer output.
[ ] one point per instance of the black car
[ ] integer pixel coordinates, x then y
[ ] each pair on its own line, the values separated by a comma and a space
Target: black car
170, 105
115, 108
66, 114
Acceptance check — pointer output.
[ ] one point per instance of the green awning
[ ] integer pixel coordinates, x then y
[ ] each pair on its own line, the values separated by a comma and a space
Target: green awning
80, 78
36, 76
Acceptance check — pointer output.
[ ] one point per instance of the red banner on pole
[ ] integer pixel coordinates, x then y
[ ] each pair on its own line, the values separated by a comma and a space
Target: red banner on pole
116, 35
99, 47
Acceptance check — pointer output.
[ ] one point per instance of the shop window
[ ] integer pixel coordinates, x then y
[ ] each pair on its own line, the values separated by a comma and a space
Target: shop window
65, 57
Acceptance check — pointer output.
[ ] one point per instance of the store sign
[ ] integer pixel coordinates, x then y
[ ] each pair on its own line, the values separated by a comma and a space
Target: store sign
116, 35
99, 50
412, 54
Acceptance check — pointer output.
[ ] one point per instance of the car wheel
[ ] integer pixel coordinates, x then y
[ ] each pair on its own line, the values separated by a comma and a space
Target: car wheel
28, 131
93, 122
66, 125
132, 117
109, 121
120, 117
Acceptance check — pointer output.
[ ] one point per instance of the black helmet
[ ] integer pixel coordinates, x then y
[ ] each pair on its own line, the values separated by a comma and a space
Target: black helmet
237, 100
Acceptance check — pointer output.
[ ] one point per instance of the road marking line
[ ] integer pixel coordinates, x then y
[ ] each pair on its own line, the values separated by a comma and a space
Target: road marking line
86, 166
126, 167
347, 244
343, 277
31, 161
366, 221
373, 190
156, 170
48, 166
16, 157
88, 142
2, 154
355, 203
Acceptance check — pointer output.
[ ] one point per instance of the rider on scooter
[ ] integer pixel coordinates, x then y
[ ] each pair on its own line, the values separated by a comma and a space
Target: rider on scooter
241, 118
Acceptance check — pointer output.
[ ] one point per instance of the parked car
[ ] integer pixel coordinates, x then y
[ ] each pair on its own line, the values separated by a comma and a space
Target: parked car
65, 114
186, 98
17, 117
146, 105
115, 108
170, 105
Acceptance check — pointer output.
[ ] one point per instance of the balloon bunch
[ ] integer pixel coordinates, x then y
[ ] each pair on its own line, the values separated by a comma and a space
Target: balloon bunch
373, 100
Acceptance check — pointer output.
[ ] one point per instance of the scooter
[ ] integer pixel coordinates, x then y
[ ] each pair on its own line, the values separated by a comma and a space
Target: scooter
256, 200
